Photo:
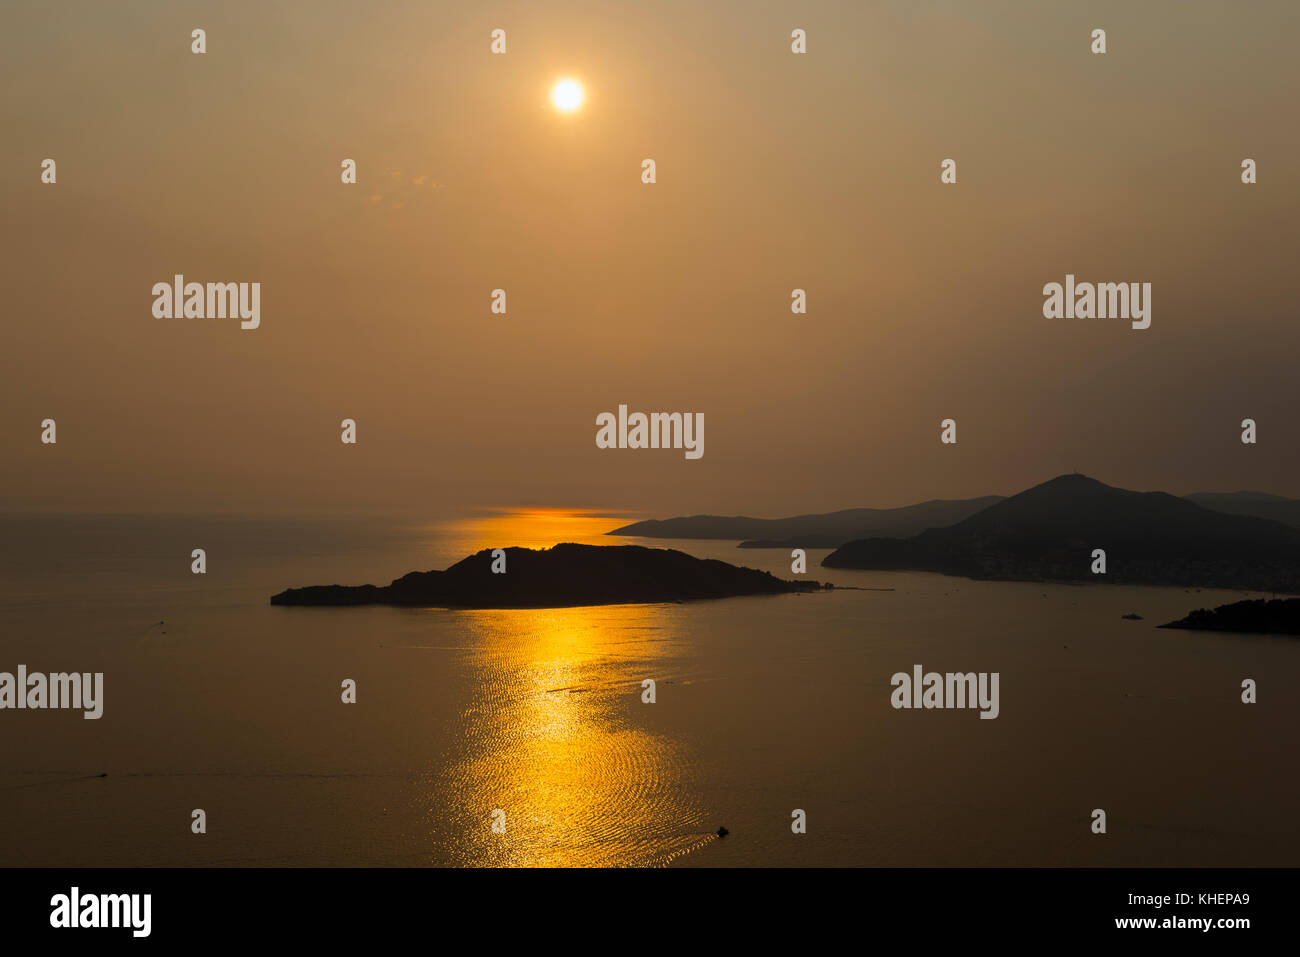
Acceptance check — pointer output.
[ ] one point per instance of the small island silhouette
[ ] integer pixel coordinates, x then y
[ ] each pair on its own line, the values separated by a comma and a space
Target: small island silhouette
562, 576
1262, 616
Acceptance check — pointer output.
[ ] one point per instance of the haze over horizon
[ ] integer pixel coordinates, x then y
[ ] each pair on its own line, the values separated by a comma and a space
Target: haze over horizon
775, 171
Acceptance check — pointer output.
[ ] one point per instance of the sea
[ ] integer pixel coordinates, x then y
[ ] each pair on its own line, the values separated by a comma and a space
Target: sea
525, 737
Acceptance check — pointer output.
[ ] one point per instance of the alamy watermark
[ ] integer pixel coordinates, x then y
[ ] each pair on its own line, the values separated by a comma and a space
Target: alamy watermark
179, 299
38, 691
1104, 300
658, 430
950, 690
75, 909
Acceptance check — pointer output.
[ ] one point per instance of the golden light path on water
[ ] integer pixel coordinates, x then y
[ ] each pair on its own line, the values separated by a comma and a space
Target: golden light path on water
555, 733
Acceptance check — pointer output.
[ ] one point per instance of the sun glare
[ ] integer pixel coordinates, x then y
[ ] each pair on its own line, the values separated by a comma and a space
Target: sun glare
567, 95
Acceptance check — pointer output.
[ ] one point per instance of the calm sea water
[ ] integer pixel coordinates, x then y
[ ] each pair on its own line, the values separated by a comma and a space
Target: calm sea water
216, 700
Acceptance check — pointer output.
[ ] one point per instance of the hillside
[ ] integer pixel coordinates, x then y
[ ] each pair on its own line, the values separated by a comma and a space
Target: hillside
826, 530
1048, 532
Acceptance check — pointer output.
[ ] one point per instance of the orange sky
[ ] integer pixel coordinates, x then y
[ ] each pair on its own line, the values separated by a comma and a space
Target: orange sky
775, 171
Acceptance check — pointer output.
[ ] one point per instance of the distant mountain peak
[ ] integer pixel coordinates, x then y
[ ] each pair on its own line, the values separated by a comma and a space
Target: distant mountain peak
1049, 532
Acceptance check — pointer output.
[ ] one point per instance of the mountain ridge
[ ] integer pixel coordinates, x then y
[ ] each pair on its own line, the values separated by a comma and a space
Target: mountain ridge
844, 524
832, 529
1049, 532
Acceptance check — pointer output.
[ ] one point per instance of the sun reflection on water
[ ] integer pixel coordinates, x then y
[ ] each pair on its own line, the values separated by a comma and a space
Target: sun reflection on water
553, 736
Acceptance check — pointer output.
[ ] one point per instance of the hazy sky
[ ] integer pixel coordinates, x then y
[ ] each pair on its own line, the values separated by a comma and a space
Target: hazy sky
775, 171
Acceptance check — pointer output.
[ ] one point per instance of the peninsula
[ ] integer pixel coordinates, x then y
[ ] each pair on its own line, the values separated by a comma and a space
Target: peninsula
826, 530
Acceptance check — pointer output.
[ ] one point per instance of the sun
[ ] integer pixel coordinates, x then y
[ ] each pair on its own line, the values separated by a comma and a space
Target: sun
567, 95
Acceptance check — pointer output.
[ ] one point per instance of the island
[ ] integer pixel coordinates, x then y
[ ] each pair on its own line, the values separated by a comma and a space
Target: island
562, 576
1264, 616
